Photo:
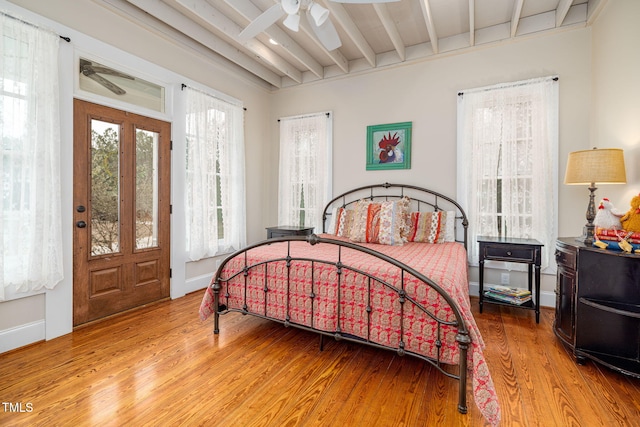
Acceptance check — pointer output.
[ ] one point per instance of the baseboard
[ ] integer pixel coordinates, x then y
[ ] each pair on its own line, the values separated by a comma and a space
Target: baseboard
197, 283
22, 335
547, 299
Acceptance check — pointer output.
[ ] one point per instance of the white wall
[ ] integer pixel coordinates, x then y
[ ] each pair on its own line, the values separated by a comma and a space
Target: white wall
34, 316
425, 93
599, 88
615, 110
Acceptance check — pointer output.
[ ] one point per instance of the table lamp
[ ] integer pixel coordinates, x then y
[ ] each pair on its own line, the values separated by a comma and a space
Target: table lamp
588, 167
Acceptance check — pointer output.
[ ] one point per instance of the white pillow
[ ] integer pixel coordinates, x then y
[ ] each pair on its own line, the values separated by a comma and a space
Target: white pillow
450, 227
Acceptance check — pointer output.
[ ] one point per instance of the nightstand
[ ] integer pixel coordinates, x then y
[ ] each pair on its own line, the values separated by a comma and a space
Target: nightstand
287, 230
508, 249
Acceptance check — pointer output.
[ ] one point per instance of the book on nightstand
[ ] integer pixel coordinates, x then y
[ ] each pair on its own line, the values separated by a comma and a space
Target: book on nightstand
507, 294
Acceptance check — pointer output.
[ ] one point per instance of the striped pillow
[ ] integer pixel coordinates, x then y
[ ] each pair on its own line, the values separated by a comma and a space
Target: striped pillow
392, 222
428, 227
341, 223
366, 222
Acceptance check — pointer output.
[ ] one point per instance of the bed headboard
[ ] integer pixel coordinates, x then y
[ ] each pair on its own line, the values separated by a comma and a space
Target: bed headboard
421, 199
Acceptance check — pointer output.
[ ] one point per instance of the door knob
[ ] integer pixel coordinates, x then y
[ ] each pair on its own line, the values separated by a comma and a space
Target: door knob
81, 224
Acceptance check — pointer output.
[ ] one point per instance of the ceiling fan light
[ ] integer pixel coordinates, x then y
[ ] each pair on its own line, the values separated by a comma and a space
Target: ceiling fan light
292, 22
291, 7
318, 13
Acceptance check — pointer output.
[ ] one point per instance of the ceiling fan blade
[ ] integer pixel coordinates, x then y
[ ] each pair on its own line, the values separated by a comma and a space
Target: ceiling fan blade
262, 22
104, 82
326, 33
111, 72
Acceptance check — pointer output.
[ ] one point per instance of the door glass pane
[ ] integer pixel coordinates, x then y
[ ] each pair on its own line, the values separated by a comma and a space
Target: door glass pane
105, 188
146, 189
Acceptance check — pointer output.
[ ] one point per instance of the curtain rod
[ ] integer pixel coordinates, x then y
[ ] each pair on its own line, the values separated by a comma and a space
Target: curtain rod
67, 39
513, 84
304, 116
184, 85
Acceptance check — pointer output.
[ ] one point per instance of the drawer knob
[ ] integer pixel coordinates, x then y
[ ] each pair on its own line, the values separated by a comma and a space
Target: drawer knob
508, 253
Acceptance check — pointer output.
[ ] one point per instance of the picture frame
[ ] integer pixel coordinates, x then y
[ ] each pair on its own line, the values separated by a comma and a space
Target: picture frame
389, 146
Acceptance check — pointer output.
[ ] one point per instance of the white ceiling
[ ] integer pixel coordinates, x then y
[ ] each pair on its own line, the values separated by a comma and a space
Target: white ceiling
373, 36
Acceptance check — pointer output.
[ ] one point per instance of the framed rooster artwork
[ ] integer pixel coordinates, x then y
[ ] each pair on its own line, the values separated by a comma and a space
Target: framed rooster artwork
389, 146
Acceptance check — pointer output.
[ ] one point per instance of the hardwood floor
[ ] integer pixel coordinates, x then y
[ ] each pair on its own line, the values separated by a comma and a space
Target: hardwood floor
160, 365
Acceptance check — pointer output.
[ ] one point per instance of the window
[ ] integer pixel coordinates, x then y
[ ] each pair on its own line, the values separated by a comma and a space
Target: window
507, 151
31, 252
305, 169
215, 183
99, 79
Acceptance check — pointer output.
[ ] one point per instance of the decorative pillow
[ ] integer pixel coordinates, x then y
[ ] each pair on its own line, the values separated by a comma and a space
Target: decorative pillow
366, 222
333, 222
450, 227
344, 218
427, 227
392, 222
404, 205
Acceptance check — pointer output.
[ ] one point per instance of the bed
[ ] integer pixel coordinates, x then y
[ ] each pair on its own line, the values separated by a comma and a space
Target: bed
388, 270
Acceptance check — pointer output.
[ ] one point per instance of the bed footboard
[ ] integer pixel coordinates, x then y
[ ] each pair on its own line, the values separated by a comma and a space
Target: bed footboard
388, 307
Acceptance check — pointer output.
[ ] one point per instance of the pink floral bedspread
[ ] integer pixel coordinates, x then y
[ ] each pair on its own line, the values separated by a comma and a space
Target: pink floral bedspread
444, 263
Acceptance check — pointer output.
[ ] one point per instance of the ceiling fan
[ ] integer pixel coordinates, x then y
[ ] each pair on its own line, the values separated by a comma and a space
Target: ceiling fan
91, 70
317, 16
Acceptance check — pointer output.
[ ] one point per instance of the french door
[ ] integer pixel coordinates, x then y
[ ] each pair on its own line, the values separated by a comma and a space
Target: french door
121, 193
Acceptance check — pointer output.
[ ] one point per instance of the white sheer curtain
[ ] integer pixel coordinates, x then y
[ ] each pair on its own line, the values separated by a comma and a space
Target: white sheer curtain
507, 151
31, 254
215, 180
305, 169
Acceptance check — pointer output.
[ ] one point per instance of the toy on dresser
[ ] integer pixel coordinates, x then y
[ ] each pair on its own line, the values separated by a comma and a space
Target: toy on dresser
631, 220
607, 216
617, 230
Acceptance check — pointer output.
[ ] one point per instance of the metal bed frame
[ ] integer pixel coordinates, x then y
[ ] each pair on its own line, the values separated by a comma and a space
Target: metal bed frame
433, 201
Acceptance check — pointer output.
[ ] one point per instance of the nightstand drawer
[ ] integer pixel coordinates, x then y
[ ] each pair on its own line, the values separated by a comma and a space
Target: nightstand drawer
286, 231
515, 254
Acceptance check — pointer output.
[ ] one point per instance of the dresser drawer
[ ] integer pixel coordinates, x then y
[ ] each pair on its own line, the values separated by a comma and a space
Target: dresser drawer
566, 258
509, 253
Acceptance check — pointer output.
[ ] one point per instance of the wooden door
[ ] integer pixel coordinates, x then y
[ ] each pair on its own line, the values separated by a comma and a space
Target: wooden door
121, 256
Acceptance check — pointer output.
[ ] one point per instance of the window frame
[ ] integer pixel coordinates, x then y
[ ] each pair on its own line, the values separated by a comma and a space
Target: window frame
294, 165
541, 127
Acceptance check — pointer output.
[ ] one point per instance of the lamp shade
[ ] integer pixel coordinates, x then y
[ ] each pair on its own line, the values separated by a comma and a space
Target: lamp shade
600, 165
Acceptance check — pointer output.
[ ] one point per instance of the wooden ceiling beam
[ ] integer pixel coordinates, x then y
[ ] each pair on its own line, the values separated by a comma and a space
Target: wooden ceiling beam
472, 22
562, 10
163, 14
431, 28
342, 17
202, 11
390, 27
594, 7
515, 17
336, 56
251, 12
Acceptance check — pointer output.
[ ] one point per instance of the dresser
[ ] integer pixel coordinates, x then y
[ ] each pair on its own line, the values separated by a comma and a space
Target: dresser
598, 305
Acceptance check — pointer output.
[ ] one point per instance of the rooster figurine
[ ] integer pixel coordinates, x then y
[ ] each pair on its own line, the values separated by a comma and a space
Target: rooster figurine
607, 216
